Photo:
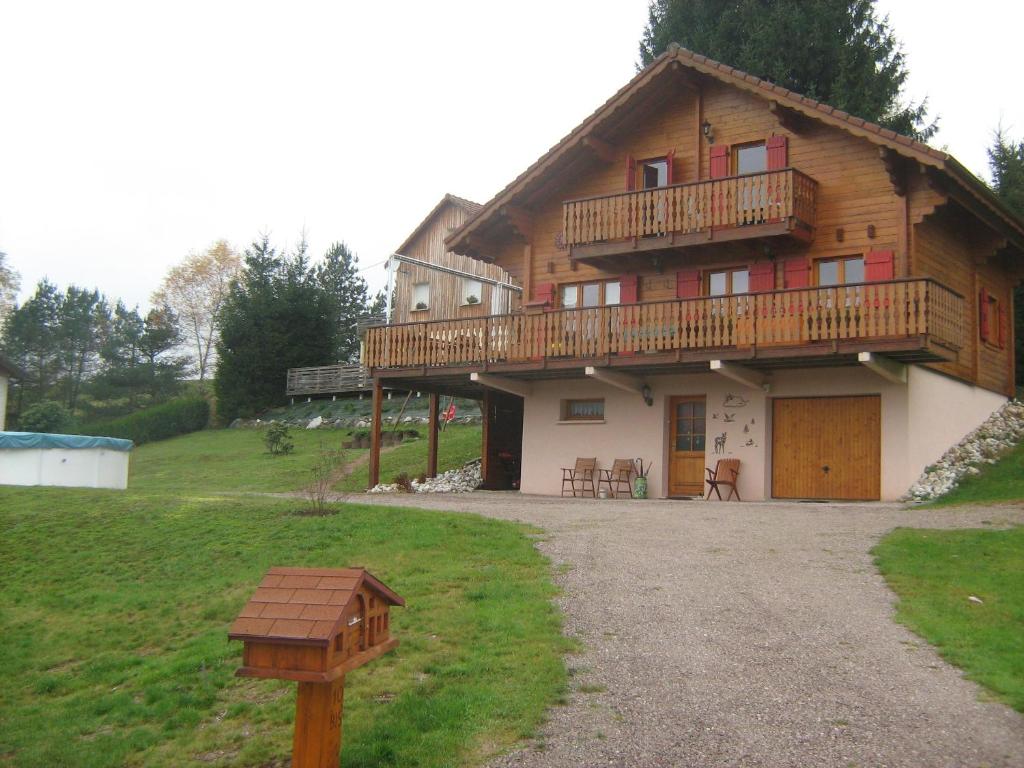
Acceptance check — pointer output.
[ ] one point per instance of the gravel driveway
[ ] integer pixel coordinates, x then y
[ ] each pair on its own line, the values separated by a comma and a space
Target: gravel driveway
754, 634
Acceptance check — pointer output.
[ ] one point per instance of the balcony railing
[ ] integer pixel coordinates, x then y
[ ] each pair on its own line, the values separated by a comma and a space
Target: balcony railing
912, 310
760, 198
328, 379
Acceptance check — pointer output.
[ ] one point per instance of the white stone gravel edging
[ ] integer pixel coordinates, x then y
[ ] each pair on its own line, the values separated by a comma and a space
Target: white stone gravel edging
463, 480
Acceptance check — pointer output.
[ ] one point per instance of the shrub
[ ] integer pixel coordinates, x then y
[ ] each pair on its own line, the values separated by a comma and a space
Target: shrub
278, 439
404, 482
46, 416
176, 417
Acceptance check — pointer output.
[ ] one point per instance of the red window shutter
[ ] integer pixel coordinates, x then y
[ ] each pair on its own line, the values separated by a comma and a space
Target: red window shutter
778, 153
797, 273
670, 161
762, 277
983, 329
544, 293
1002, 327
878, 265
719, 161
630, 173
628, 285
687, 284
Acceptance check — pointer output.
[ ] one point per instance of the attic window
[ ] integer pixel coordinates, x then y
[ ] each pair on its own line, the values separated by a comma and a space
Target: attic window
472, 291
421, 296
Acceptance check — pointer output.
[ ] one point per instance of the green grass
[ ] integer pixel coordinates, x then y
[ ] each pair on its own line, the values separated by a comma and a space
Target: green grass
114, 608
1002, 481
935, 572
457, 445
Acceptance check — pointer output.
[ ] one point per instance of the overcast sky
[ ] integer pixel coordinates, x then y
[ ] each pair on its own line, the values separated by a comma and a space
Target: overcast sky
134, 133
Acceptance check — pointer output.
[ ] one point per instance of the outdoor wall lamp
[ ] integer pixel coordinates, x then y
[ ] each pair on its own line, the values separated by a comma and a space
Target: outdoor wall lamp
708, 133
646, 393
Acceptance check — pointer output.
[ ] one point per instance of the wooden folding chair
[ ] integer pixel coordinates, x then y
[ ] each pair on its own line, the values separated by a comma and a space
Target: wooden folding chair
580, 475
620, 474
727, 473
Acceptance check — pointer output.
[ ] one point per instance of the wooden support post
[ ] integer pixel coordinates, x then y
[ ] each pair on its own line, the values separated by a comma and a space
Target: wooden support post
433, 428
318, 712
887, 368
485, 439
375, 430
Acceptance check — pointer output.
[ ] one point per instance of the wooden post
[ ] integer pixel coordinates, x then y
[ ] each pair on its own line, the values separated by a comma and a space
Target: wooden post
318, 712
375, 429
485, 439
433, 428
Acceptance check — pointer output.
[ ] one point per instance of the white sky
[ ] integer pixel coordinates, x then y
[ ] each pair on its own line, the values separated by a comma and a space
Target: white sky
134, 133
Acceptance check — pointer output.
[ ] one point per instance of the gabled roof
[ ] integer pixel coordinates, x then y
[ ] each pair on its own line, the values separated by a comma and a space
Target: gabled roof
676, 57
7, 366
468, 206
303, 605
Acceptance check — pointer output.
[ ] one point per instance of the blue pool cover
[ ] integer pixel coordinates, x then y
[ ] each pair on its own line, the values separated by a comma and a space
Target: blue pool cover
24, 440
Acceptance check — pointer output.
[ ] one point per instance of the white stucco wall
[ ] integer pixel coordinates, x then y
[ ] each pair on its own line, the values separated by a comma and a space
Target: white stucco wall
3, 400
920, 420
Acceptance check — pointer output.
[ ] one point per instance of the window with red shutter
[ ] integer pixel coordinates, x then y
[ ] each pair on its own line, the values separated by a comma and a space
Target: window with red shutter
797, 273
762, 277
983, 314
543, 293
687, 284
778, 153
878, 265
628, 289
719, 161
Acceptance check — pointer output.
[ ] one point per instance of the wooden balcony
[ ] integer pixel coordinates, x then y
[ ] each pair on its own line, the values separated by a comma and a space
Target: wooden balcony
774, 203
915, 320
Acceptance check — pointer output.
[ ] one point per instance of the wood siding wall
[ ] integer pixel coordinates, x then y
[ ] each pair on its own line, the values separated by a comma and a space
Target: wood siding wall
445, 289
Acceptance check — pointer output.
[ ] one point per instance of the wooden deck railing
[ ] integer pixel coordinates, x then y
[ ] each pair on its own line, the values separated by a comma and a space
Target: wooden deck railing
328, 379
899, 309
760, 198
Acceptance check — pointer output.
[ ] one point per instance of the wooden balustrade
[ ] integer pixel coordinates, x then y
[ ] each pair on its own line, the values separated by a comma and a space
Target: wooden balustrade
327, 379
759, 198
899, 309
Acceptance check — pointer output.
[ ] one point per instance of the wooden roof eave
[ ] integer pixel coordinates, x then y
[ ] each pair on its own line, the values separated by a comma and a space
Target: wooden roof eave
448, 200
903, 145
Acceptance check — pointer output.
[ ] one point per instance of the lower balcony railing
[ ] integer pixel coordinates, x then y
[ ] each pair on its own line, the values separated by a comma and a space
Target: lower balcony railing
917, 308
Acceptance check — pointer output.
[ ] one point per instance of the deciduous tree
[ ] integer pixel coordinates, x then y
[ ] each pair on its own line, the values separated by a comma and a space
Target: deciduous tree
195, 291
836, 51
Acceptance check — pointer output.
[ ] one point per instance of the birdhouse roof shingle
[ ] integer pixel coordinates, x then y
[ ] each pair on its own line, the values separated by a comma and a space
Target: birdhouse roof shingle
303, 605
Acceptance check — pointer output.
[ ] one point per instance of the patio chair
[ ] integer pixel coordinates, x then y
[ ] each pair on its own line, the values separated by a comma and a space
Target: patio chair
620, 474
726, 473
579, 476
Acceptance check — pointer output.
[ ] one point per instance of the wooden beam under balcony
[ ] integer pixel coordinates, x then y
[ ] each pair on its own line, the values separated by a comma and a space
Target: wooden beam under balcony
740, 374
887, 368
615, 379
512, 386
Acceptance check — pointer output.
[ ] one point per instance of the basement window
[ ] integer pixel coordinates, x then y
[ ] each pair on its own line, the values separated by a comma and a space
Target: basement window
583, 410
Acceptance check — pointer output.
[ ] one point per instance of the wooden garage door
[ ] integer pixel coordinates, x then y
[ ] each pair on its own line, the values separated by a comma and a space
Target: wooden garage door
826, 448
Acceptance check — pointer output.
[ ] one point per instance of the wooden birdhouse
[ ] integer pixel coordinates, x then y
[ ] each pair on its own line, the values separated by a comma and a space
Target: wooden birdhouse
313, 625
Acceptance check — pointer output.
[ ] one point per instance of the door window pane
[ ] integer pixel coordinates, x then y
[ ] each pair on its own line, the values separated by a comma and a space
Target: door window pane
611, 292
569, 296
698, 442
683, 443
591, 294
684, 410
698, 409
740, 281
854, 269
717, 284
752, 158
828, 273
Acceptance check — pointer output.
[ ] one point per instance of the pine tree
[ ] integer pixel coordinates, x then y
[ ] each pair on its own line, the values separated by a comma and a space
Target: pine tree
1006, 162
338, 274
835, 51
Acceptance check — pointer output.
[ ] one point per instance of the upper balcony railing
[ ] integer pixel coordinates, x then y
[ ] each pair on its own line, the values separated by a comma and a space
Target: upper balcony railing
759, 198
908, 312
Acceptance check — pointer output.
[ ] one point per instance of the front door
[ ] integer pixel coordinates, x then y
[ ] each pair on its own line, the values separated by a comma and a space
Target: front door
686, 446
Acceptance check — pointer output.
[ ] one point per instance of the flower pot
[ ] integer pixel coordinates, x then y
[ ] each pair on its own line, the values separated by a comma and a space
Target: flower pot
640, 488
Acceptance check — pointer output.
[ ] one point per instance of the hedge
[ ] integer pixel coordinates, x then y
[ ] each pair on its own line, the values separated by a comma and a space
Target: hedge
177, 417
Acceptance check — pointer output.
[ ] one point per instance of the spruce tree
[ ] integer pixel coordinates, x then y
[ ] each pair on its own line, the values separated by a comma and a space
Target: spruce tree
836, 51
1006, 162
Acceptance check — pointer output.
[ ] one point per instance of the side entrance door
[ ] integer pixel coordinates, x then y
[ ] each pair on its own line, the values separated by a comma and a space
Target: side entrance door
686, 445
826, 448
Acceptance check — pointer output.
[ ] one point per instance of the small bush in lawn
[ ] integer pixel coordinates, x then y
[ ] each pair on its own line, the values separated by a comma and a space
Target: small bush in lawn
403, 481
278, 439
46, 416
176, 417
326, 465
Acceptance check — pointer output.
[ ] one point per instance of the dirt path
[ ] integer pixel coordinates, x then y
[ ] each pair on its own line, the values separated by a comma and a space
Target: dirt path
746, 635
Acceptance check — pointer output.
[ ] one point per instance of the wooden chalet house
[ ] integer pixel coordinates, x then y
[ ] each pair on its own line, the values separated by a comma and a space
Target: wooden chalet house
716, 267
429, 282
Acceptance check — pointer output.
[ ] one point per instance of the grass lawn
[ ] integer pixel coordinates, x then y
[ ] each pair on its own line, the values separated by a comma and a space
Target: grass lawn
1003, 481
934, 573
114, 609
456, 445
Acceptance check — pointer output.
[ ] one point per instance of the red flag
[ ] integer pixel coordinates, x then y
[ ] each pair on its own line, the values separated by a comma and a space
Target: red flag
450, 415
